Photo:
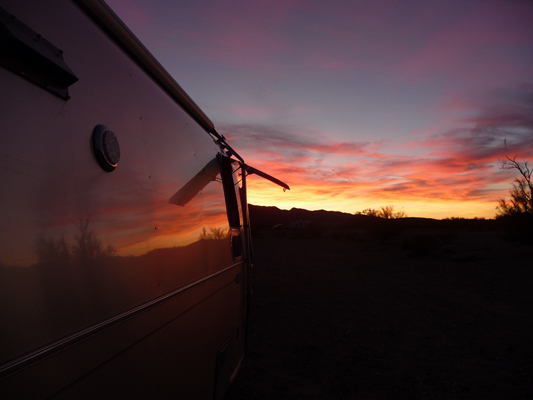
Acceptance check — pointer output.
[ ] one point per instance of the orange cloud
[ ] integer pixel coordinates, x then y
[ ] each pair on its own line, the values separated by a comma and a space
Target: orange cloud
456, 174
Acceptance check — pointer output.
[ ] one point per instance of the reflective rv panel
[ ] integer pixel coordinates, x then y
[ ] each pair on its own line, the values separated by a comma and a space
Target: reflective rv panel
84, 270
79, 245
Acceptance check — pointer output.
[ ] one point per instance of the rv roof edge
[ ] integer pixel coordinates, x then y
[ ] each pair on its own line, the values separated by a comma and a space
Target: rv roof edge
102, 15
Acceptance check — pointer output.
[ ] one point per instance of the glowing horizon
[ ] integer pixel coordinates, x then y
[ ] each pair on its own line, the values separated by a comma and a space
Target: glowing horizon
357, 104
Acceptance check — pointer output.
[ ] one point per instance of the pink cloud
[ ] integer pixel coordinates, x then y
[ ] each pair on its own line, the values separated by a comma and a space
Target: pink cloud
255, 112
475, 46
459, 166
267, 138
460, 46
248, 34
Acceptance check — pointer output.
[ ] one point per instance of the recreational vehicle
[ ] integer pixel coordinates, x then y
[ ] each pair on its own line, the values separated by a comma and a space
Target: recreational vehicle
124, 234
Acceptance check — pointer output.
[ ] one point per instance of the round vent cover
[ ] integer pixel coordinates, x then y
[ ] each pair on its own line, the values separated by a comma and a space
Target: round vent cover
106, 148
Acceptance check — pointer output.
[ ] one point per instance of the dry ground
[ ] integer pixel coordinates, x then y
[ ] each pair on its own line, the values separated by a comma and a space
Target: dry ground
359, 319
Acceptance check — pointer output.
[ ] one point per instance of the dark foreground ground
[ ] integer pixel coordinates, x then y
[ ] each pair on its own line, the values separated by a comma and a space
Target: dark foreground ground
359, 319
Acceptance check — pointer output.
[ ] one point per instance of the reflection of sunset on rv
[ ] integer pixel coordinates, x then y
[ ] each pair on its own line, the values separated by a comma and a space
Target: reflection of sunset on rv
179, 226
125, 225
359, 104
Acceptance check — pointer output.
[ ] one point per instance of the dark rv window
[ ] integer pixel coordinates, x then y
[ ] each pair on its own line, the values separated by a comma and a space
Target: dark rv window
31, 56
226, 171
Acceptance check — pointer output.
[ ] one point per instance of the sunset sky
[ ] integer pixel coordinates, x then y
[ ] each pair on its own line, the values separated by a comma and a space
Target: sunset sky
358, 104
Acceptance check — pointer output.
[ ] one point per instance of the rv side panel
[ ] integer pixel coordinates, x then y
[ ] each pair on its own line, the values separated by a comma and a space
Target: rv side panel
107, 289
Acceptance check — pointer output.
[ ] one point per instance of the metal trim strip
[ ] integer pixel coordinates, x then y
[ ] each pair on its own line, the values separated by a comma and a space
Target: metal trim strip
48, 350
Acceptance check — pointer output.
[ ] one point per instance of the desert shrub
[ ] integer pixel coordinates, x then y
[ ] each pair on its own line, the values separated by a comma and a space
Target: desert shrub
515, 215
385, 212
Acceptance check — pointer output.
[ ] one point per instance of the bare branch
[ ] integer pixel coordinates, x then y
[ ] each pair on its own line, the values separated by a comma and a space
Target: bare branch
522, 190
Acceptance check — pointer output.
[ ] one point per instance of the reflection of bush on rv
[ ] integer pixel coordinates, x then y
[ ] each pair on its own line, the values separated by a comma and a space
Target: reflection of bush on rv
87, 247
214, 233
86, 299
149, 296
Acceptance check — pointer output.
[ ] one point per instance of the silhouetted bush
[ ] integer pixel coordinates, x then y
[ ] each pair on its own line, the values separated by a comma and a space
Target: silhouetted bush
520, 205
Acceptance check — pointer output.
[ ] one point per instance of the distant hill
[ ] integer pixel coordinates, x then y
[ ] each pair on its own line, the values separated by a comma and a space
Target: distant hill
265, 218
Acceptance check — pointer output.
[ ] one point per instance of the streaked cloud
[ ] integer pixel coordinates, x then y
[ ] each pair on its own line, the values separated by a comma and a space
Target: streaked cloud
358, 104
457, 166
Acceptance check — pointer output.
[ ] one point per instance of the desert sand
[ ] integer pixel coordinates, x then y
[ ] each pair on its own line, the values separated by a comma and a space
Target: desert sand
417, 315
